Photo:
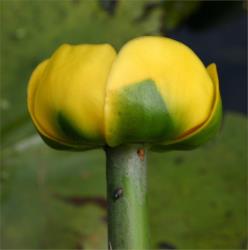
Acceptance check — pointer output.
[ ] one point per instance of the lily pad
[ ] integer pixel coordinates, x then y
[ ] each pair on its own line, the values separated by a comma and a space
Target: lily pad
56, 200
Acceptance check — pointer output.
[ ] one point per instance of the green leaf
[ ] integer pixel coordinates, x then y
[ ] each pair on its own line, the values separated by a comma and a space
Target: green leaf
55, 200
197, 199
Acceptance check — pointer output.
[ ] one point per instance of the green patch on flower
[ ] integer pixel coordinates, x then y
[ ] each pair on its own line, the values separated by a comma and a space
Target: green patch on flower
70, 137
202, 136
70, 130
74, 136
140, 115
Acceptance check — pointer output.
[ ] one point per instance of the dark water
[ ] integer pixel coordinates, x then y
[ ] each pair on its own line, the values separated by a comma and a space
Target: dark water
224, 43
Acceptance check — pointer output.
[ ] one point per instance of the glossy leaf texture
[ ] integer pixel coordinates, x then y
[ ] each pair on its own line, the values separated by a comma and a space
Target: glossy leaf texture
52, 199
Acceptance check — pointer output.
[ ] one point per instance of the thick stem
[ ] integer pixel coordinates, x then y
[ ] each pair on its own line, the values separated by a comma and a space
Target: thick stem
126, 191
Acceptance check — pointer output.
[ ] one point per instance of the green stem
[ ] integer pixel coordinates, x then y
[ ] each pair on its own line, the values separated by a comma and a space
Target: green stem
126, 191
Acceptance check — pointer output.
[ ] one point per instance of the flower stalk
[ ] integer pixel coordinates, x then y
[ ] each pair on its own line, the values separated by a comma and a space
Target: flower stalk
127, 197
90, 96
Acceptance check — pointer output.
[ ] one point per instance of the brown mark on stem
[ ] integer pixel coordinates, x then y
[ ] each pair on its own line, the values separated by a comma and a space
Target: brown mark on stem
141, 153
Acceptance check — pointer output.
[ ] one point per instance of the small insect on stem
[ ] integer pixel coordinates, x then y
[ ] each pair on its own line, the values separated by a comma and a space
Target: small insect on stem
117, 194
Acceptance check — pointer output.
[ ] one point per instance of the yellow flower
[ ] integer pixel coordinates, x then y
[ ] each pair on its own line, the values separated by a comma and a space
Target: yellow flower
155, 90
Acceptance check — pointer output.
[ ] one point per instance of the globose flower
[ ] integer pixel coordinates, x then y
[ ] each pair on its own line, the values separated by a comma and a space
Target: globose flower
154, 91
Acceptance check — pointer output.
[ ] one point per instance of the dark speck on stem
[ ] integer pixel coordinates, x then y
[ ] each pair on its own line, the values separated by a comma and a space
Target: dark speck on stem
166, 245
117, 194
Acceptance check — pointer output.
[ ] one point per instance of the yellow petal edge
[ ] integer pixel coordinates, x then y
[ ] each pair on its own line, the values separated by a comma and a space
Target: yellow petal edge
71, 86
189, 139
178, 74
